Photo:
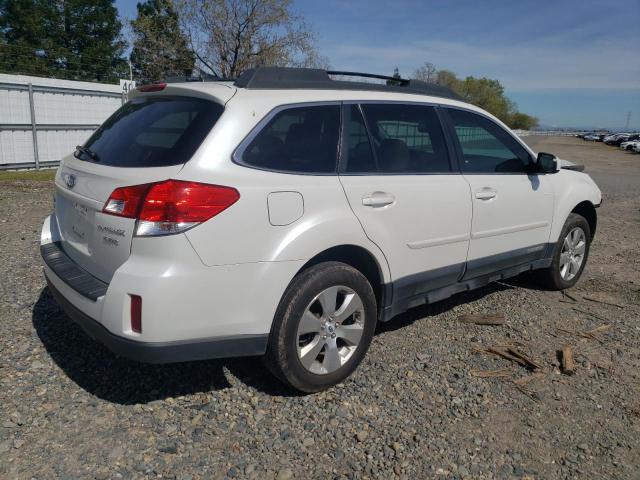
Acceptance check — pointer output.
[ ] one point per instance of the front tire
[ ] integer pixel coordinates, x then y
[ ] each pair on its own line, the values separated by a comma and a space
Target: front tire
322, 328
569, 256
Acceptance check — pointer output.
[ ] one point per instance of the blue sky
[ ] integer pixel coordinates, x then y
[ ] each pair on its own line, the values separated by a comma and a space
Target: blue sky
569, 62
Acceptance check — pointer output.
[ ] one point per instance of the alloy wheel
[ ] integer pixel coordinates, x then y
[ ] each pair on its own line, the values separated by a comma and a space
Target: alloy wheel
330, 330
572, 253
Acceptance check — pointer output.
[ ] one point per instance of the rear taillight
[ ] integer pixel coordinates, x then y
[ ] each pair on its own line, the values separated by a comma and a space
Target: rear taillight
126, 201
172, 206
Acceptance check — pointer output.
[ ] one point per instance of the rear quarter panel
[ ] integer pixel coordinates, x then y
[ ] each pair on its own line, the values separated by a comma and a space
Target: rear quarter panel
243, 233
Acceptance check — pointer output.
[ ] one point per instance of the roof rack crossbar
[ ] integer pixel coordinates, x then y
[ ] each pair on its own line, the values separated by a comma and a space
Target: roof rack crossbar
402, 81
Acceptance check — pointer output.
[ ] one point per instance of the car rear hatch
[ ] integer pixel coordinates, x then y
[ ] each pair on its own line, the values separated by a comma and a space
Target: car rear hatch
147, 140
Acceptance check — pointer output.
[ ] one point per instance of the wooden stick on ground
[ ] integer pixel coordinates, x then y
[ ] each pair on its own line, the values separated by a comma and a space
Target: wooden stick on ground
480, 319
593, 334
515, 356
591, 299
568, 366
597, 331
529, 361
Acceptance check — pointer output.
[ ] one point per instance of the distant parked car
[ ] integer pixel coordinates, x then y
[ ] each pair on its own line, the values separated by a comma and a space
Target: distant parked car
628, 144
618, 139
593, 137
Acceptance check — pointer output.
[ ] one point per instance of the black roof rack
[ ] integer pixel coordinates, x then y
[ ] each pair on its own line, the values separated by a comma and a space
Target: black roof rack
284, 78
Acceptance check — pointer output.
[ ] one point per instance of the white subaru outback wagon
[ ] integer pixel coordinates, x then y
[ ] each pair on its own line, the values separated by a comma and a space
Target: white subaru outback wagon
286, 213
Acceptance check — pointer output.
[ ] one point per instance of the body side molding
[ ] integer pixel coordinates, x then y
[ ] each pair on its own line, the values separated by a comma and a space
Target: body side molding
442, 283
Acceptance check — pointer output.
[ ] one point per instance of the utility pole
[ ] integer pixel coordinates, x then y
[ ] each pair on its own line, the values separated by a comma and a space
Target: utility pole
628, 122
130, 71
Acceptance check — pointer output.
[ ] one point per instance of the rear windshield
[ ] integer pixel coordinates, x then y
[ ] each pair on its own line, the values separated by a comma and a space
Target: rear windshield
152, 132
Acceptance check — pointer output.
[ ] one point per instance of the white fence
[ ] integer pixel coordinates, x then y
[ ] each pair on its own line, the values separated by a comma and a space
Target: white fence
43, 119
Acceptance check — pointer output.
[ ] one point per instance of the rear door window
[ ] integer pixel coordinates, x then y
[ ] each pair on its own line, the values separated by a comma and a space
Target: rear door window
359, 155
406, 139
153, 132
297, 139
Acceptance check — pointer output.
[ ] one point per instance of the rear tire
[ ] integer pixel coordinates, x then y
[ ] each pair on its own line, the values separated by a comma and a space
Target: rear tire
569, 256
322, 328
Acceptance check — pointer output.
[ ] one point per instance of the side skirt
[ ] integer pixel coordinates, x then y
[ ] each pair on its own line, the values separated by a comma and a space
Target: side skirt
442, 293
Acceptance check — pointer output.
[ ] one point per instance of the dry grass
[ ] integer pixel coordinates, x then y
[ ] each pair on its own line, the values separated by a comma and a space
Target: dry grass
28, 175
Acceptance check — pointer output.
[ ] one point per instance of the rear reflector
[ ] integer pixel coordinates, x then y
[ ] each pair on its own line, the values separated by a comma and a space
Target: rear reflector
136, 313
152, 87
171, 206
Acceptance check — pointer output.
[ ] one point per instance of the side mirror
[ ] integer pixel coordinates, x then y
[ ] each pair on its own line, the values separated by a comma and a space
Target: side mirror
546, 163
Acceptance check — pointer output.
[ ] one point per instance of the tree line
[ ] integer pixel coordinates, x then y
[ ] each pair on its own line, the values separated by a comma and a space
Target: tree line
85, 40
484, 92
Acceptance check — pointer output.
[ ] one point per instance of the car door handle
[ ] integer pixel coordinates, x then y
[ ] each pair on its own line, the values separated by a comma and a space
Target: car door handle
378, 199
486, 194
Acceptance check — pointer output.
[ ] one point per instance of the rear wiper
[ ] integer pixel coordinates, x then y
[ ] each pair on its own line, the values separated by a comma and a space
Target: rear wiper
87, 151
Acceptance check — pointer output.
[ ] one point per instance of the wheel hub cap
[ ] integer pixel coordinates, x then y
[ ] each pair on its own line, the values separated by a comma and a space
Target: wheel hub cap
330, 330
572, 253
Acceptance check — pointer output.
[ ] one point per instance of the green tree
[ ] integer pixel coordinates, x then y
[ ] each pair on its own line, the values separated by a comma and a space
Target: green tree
75, 39
447, 78
160, 49
93, 45
24, 36
488, 94
523, 121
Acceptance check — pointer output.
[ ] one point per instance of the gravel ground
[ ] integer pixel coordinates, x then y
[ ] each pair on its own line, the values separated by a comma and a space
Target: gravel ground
416, 408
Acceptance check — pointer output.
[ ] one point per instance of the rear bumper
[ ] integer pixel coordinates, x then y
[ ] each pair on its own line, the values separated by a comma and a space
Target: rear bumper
163, 352
190, 311
70, 273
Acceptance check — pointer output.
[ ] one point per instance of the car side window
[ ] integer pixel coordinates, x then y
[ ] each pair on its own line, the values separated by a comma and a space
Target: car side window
297, 139
359, 155
486, 147
406, 138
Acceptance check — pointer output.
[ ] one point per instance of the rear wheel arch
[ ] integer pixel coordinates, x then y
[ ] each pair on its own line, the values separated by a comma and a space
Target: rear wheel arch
357, 257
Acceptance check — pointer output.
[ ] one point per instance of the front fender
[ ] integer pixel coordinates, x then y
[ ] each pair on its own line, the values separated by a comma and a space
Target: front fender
571, 188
